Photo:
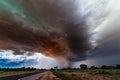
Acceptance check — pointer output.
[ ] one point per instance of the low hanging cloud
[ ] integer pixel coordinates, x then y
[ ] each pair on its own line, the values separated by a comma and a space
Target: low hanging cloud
55, 29
66, 28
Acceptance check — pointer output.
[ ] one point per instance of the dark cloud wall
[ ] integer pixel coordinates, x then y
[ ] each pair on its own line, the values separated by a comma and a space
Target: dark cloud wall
50, 27
76, 30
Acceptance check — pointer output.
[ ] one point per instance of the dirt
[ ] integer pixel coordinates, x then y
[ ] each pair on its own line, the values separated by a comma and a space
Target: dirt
89, 76
49, 76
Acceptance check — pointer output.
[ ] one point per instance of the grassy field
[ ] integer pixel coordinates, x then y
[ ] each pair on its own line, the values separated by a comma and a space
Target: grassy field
64, 76
97, 74
75, 74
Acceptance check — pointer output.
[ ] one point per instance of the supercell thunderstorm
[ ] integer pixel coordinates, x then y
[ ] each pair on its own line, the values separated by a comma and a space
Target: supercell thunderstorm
67, 30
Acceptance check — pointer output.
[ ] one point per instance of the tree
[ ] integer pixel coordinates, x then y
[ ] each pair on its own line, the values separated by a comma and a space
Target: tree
93, 67
51, 69
83, 66
107, 67
117, 66
104, 67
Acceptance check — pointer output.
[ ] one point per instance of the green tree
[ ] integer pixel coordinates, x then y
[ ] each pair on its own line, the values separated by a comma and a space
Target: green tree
104, 67
117, 66
107, 67
83, 66
52, 69
93, 67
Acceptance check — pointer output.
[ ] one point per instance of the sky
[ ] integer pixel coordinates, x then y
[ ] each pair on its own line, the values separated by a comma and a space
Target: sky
64, 33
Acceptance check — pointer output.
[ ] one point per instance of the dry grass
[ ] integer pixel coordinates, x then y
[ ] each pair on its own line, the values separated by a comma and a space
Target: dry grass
11, 73
88, 76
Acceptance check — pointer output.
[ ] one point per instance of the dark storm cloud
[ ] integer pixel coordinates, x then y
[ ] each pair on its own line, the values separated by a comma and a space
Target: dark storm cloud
62, 32
25, 39
63, 15
78, 39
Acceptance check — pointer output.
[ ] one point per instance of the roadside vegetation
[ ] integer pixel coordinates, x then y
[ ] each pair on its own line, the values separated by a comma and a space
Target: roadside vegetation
4, 72
20, 69
63, 76
104, 72
17, 69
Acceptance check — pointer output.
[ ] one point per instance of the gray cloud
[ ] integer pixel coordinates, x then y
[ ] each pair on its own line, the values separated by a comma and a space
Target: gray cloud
57, 28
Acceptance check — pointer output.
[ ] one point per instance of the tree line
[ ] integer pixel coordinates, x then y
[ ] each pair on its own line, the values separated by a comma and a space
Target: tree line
19, 69
84, 66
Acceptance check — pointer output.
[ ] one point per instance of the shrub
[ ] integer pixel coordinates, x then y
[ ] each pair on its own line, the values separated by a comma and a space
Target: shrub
63, 76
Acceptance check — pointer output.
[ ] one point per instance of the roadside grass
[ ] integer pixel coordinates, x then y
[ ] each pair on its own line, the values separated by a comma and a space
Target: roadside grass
106, 71
111, 72
71, 74
1, 72
63, 76
11, 73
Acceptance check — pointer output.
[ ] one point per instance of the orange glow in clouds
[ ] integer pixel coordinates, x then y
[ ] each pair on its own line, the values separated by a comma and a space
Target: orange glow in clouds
55, 47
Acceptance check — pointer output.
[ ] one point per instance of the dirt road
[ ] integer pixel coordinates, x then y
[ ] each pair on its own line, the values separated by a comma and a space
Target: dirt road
41, 76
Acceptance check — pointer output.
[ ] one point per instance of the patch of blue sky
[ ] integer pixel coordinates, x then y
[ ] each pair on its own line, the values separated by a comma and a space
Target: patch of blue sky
8, 59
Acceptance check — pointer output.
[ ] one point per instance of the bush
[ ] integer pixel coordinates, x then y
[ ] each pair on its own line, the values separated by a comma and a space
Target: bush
104, 72
83, 66
63, 76
94, 67
117, 66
